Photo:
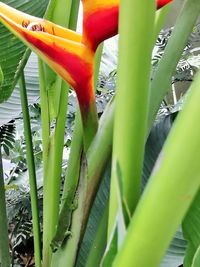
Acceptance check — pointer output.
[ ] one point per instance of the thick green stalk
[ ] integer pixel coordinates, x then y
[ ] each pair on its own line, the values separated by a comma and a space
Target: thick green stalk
172, 187
52, 185
4, 244
90, 117
98, 155
72, 173
45, 142
90, 122
70, 187
132, 99
31, 170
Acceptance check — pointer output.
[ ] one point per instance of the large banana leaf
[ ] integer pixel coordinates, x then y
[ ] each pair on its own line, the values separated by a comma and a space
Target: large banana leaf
175, 254
12, 51
12, 107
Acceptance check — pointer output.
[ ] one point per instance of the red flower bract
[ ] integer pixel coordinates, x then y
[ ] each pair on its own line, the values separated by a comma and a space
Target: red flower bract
100, 20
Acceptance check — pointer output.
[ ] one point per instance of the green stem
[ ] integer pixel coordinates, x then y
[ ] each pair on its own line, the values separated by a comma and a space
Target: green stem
98, 56
69, 254
31, 170
171, 184
160, 19
55, 12
90, 118
98, 155
74, 14
70, 186
52, 185
4, 244
44, 115
90, 124
71, 179
132, 99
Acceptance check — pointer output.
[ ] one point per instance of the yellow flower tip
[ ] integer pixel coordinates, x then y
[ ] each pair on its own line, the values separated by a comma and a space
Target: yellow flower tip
32, 23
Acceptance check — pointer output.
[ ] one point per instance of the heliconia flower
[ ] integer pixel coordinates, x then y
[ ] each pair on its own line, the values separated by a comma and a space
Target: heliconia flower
100, 20
59, 47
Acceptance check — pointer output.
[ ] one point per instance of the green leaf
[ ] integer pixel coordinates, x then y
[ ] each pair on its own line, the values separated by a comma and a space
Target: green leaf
7, 136
191, 231
12, 52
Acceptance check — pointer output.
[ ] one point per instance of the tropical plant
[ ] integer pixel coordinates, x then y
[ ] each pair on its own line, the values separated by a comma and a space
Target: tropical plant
131, 228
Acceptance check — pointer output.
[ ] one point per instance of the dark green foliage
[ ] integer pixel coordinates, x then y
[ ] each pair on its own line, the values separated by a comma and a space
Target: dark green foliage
7, 136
